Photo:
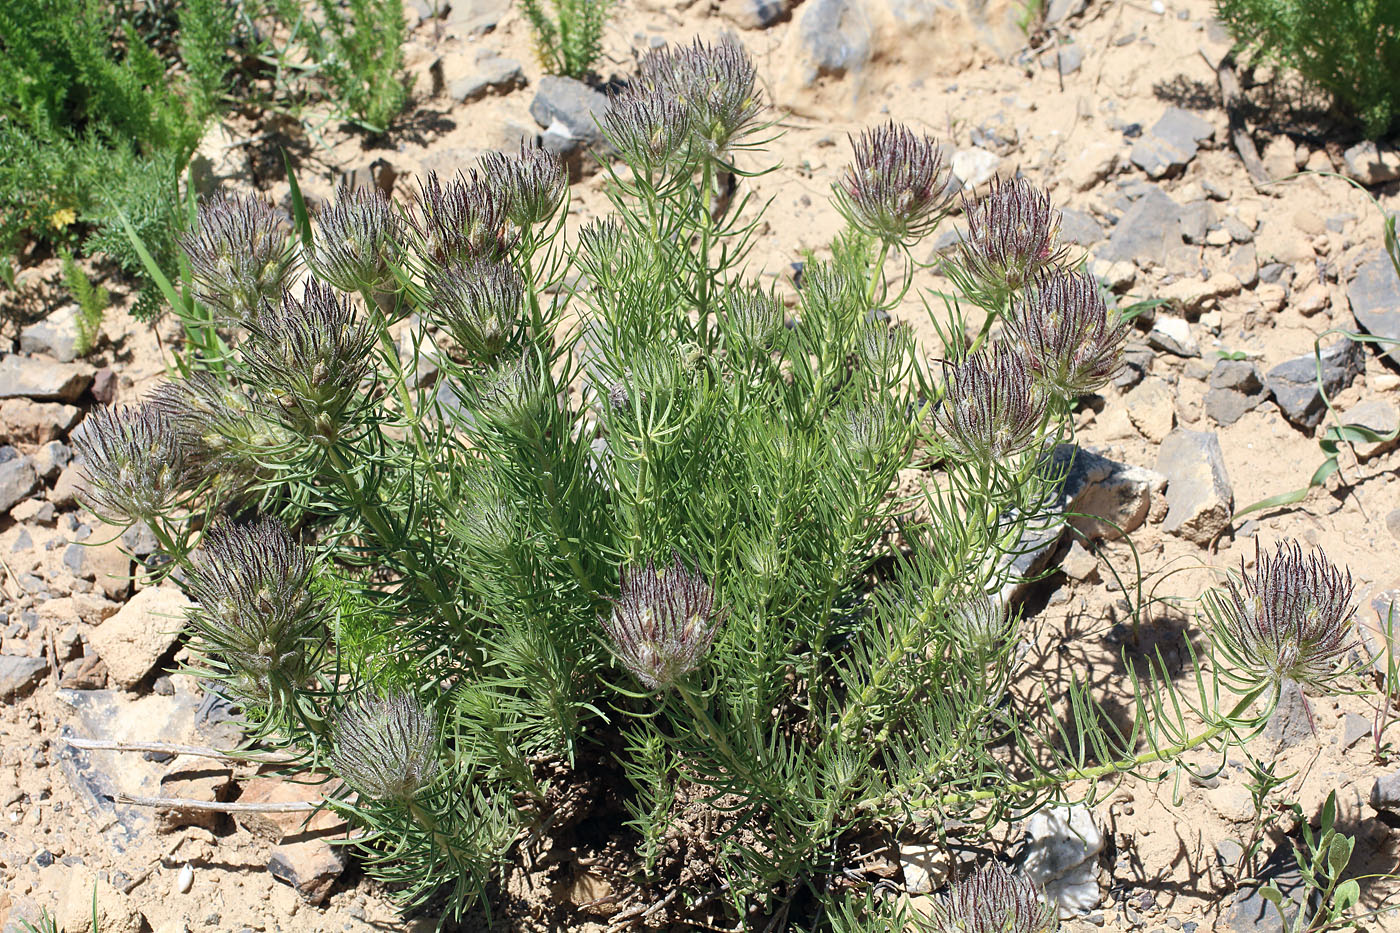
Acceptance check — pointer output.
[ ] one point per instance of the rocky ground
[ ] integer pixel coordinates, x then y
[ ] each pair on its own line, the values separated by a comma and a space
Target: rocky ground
1116, 108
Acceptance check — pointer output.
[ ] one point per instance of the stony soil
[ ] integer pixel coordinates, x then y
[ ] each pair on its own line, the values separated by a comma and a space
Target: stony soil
1158, 201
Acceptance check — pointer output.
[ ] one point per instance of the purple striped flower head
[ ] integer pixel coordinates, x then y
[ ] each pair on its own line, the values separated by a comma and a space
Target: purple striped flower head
357, 241
992, 408
896, 189
385, 747
663, 622
1291, 621
239, 255
1012, 236
993, 900
1073, 344
532, 183
462, 220
134, 464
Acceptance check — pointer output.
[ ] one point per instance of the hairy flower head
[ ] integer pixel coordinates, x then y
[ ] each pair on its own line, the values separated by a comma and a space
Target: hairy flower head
650, 130
993, 900
663, 622
308, 357
357, 241
753, 318
896, 189
462, 220
254, 607
992, 408
239, 255
1291, 621
1012, 236
1064, 328
222, 429
134, 464
385, 747
716, 83
479, 304
532, 183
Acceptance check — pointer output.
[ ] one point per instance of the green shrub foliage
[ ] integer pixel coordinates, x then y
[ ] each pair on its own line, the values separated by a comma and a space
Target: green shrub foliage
518, 532
1348, 48
569, 42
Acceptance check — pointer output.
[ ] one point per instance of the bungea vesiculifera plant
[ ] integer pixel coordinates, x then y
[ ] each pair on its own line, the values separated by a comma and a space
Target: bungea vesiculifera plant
633, 557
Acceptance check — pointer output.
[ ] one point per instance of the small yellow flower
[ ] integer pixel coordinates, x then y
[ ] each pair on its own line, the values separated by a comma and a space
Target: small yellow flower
62, 218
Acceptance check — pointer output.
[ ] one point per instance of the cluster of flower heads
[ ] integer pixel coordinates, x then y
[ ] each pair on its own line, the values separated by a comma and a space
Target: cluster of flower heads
686, 104
993, 900
1291, 621
385, 747
255, 611
663, 622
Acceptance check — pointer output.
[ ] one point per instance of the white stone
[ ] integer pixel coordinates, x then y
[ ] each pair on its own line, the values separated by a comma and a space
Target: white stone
975, 166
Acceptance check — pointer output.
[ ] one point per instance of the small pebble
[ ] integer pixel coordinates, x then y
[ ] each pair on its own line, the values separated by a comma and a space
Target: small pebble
185, 880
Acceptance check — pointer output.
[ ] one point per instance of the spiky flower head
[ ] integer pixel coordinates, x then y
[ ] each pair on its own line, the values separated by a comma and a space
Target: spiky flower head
866, 432
754, 318
385, 747
992, 407
532, 183
993, 900
884, 351
254, 607
135, 466
663, 622
978, 623
357, 241
1064, 328
308, 357
717, 85
650, 130
896, 190
462, 220
479, 304
1012, 236
221, 428
510, 395
1291, 621
239, 254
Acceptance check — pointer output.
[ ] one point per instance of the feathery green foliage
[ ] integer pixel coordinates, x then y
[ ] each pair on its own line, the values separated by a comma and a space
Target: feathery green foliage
637, 558
570, 41
1348, 48
92, 304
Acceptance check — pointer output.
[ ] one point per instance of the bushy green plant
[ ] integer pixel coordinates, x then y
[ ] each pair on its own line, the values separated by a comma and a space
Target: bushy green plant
94, 127
638, 560
570, 41
1348, 48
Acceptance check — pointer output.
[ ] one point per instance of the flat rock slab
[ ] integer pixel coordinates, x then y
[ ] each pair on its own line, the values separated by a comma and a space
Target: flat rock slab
571, 104
1171, 144
133, 640
1374, 294
20, 675
1200, 499
42, 380
1146, 231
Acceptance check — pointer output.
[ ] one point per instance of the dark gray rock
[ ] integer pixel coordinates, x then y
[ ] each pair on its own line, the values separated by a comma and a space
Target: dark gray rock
1291, 723
1079, 227
1146, 231
1392, 523
835, 36
42, 380
1385, 792
755, 14
1171, 143
1238, 375
1244, 265
1061, 10
1355, 727
571, 104
493, 75
1226, 406
20, 675
1196, 220
1294, 383
1137, 363
1374, 293
1200, 499
1248, 912
18, 479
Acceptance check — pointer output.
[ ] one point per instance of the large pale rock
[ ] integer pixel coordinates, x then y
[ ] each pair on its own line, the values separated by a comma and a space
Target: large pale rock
1061, 853
55, 336
311, 866
1146, 232
839, 39
23, 421
571, 104
42, 380
18, 478
1200, 499
133, 640
1371, 164
1151, 408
